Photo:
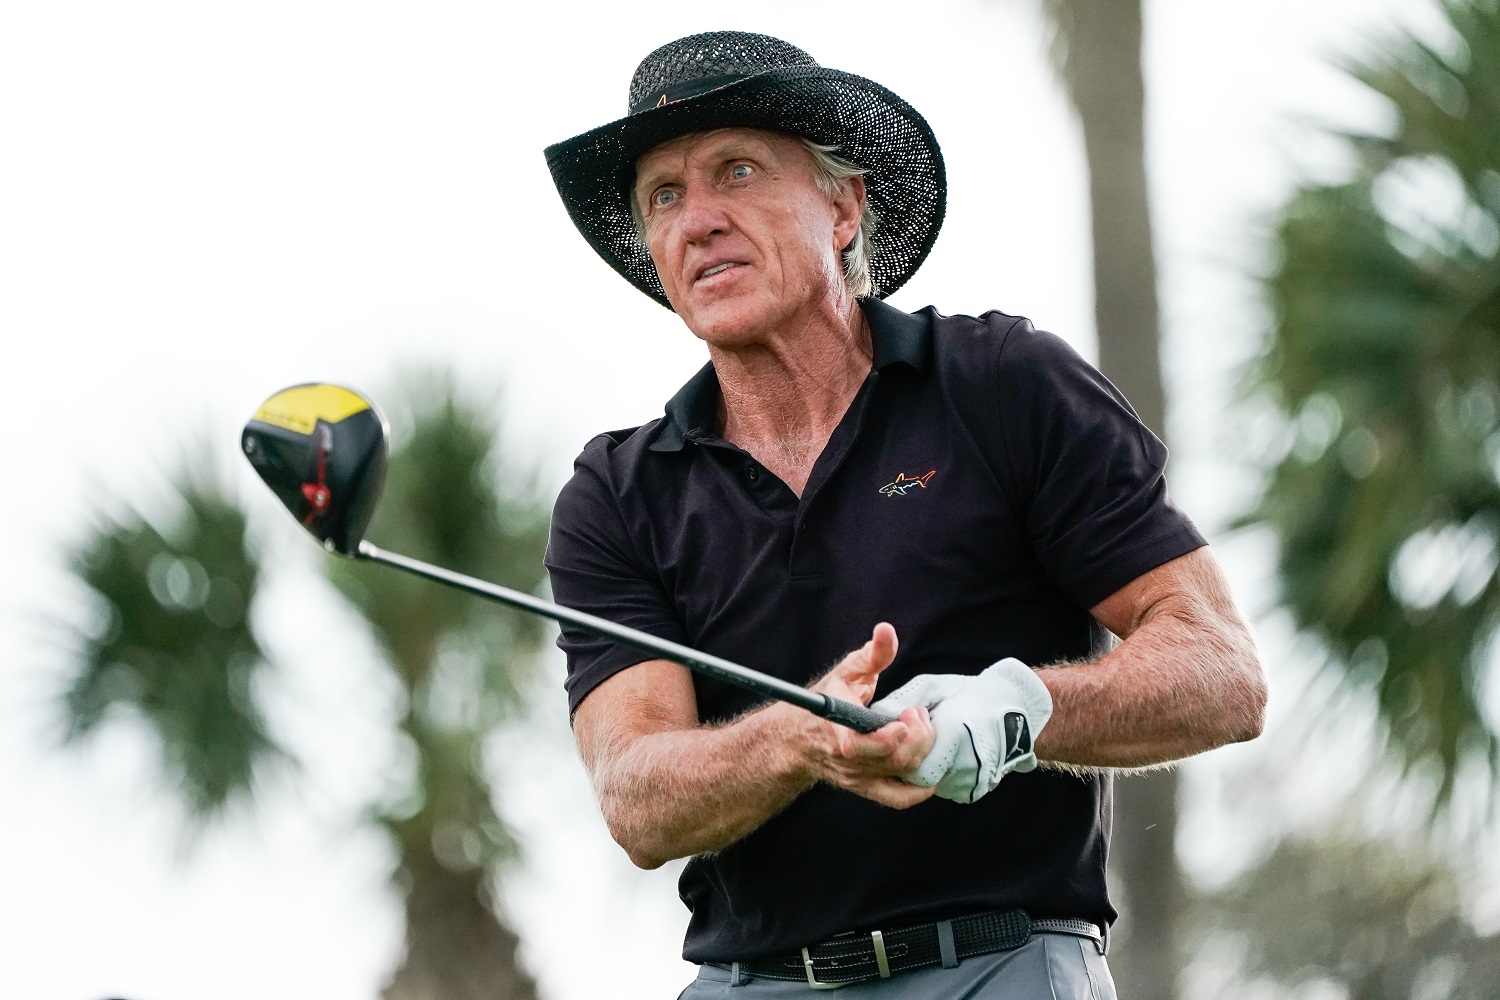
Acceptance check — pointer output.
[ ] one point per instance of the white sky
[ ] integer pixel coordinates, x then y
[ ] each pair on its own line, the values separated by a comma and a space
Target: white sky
202, 203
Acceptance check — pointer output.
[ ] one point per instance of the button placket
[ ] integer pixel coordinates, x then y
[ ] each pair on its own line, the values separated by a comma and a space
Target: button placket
839, 447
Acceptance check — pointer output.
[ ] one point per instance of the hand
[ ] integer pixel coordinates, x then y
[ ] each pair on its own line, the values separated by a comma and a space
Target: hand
876, 765
985, 726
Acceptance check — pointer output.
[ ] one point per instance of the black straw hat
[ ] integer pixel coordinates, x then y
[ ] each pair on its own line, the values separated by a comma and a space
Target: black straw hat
726, 79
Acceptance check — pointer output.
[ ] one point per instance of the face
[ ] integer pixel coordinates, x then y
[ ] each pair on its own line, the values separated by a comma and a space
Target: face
743, 239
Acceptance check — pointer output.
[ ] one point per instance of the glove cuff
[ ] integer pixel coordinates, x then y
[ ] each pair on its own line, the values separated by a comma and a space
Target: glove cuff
1033, 693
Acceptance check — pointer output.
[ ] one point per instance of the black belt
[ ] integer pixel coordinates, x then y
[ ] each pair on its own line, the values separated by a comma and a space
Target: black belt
852, 957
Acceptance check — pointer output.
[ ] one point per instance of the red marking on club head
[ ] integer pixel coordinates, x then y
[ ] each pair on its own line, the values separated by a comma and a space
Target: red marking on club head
318, 495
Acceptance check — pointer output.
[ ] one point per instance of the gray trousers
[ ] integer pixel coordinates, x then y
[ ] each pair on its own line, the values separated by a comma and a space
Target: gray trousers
1047, 967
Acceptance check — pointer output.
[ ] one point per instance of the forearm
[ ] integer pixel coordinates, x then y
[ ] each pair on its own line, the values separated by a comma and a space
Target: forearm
680, 792
1186, 680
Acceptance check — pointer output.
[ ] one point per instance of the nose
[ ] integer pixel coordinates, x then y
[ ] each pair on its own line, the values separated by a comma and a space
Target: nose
703, 216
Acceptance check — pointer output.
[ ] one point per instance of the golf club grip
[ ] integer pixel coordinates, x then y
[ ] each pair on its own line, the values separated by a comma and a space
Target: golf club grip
856, 717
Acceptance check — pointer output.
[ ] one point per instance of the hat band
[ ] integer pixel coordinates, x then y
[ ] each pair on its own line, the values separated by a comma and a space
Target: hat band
686, 89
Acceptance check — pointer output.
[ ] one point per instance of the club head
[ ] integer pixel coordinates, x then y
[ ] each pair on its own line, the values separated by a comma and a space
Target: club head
321, 448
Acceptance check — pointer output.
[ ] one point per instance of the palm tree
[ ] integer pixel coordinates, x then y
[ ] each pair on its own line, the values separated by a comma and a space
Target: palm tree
172, 643
1383, 920
175, 646
1384, 359
1096, 49
450, 501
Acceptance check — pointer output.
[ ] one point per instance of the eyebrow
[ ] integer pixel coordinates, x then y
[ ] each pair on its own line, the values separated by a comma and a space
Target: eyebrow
735, 150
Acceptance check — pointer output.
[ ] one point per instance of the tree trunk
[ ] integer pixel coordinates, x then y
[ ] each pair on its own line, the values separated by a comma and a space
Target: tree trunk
1146, 963
1110, 95
1104, 43
457, 947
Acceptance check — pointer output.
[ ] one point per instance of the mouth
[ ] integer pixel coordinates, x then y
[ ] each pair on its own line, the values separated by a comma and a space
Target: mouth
718, 269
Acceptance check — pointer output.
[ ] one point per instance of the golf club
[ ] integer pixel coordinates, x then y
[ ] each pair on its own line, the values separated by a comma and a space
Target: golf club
321, 448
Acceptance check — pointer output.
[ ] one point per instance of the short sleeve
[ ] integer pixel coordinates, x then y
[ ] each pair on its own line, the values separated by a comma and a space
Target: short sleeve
594, 567
1090, 476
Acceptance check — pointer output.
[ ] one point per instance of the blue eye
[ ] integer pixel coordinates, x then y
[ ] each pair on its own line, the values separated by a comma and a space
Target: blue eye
664, 197
740, 171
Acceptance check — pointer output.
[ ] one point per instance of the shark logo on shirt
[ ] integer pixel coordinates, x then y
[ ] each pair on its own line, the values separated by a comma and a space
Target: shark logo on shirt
904, 483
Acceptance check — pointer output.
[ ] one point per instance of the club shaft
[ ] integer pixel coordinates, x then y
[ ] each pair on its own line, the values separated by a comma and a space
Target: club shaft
856, 717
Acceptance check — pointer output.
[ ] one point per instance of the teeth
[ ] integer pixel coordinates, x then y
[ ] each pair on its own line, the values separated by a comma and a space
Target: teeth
716, 270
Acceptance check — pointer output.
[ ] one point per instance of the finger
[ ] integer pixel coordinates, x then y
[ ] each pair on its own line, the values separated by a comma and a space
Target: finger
895, 750
866, 663
883, 644
917, 755
881, 744
902, 743
892, 792
899, 744
917, 742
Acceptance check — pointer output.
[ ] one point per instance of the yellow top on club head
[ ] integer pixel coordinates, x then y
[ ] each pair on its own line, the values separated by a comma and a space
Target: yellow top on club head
299, 408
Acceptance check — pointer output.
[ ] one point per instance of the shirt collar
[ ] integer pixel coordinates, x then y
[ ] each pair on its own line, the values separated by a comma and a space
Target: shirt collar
691, 412
896, 337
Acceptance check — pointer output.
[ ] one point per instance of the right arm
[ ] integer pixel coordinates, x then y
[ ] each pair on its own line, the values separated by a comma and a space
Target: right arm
669, 787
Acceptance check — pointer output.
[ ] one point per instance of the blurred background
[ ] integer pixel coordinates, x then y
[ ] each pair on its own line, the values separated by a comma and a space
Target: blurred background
229, 768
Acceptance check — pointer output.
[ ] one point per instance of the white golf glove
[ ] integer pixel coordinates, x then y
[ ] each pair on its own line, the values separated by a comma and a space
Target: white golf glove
985, 726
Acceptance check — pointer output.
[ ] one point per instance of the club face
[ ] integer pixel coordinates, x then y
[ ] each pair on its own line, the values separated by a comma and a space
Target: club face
321, 449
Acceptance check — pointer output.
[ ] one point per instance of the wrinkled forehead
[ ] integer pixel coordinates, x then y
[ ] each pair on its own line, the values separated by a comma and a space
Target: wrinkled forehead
717, 144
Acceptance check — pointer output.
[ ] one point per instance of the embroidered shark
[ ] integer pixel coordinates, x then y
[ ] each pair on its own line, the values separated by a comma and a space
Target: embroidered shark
904, 483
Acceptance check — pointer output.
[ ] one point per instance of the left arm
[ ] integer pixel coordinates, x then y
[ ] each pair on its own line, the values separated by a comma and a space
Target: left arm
1186, 678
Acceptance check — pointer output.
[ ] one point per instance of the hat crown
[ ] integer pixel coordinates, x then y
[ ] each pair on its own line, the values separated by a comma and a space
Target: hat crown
710, 56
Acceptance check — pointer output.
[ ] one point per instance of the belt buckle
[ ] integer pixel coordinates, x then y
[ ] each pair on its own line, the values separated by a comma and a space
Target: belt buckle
877, 942
812, 976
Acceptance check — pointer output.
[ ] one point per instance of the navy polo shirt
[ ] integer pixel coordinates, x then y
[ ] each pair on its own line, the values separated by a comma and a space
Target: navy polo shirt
984, 490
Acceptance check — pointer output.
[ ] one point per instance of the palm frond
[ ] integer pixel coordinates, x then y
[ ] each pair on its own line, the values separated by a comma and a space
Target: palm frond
176, 648
451, 499
1384, 358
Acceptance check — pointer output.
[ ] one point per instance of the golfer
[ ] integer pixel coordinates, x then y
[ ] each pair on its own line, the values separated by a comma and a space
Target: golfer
946, 516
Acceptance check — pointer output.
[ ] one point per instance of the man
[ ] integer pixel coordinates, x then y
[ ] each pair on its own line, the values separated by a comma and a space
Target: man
840, 474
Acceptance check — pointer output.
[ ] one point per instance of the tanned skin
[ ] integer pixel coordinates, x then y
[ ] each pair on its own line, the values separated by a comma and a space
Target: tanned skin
788, 342
790, 347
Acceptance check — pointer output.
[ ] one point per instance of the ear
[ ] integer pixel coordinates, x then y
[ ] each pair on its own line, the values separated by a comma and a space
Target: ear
848, 209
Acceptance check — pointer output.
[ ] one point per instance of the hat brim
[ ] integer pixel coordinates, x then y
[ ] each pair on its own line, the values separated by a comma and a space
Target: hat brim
905, 183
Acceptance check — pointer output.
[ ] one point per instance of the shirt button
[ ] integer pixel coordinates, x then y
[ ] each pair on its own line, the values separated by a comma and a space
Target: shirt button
752, 473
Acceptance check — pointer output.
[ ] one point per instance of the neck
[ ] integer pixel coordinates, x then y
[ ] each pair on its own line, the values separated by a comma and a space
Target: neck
784, 394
